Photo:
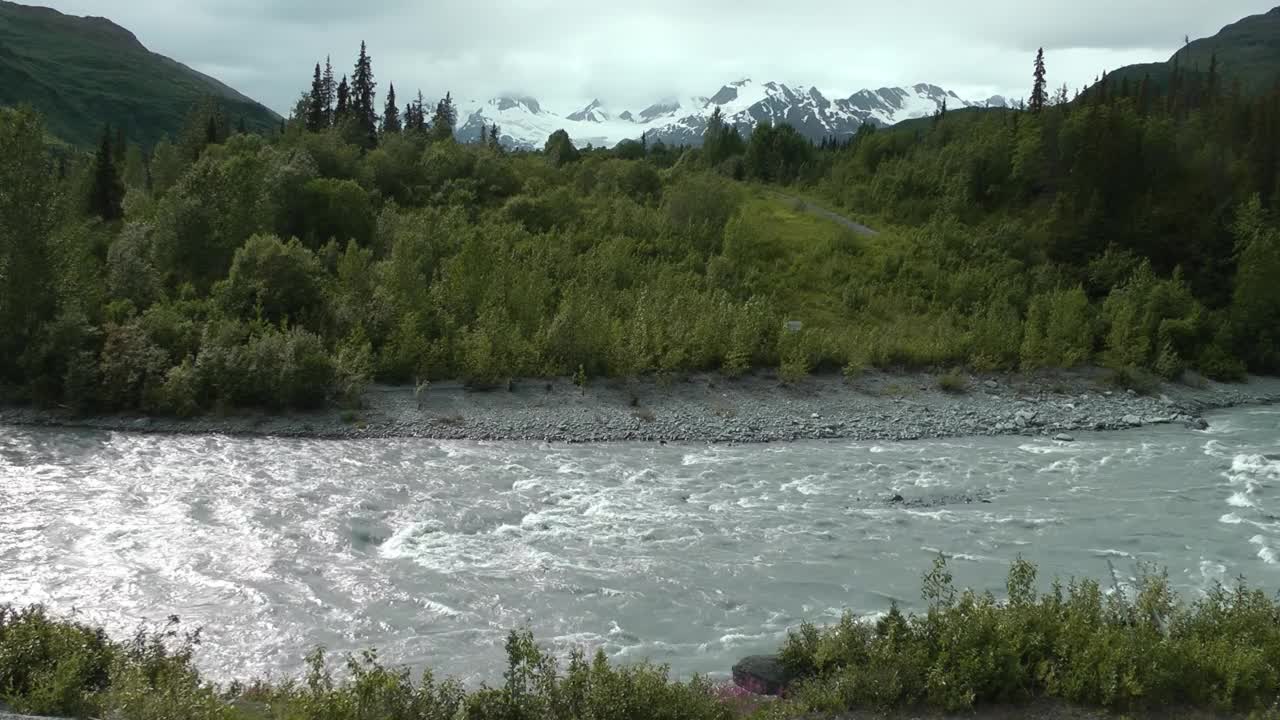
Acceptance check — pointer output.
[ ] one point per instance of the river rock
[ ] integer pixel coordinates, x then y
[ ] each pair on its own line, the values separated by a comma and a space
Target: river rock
1063, 437
762, 675
1131, 420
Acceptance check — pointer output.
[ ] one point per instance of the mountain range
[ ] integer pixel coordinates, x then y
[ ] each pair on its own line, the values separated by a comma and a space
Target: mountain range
84, 72
524, 123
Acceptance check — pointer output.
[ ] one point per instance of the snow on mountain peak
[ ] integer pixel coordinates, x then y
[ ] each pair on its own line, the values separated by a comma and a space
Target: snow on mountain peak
594, 112
743, 103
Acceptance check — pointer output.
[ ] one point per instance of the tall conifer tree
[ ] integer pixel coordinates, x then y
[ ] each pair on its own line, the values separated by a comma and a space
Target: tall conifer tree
106, 196
363, 95
317, 114
1039, 89
446, 117
342, 101
330, 90
391, 113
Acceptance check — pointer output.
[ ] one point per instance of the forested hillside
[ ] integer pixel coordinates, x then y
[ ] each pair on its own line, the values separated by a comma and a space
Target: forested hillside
1130, 228
84, 73
1244, 53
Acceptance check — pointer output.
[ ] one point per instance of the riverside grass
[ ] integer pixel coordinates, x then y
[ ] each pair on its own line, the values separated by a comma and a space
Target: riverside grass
1125, 649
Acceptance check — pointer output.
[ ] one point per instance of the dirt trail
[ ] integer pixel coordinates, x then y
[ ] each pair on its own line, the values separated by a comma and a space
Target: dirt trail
841, 220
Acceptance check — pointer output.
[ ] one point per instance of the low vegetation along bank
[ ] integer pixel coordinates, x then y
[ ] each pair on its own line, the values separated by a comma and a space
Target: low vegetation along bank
1125, 648
1132, 228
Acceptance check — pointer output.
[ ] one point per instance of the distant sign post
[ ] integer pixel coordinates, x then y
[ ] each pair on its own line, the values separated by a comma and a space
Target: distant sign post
794, 326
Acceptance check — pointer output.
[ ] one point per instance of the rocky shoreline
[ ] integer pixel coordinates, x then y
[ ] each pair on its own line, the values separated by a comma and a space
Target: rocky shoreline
713, 409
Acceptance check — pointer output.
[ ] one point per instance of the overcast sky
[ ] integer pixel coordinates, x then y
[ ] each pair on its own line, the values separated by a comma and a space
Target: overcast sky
629, 54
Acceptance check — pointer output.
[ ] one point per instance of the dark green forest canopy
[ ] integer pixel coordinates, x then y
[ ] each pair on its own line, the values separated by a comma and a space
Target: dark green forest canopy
82, 73
1132, 228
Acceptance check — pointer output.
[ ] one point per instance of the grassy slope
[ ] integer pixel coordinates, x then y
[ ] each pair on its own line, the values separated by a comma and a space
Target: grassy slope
83, 72
807, 252
1248, 50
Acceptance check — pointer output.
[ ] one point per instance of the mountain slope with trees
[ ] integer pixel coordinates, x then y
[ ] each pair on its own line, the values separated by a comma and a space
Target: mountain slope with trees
82, 73
1246, 52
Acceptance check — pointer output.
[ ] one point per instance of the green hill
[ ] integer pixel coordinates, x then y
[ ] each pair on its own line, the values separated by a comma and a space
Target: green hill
81, 72
1247, 51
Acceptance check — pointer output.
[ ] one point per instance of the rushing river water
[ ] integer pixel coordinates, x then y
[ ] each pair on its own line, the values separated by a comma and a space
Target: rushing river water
688, 555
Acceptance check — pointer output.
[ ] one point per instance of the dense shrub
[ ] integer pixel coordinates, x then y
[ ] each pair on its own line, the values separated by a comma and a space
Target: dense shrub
1128, 648
60, 667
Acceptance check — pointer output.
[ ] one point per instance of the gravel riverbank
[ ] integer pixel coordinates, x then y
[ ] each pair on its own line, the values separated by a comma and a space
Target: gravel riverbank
708, 408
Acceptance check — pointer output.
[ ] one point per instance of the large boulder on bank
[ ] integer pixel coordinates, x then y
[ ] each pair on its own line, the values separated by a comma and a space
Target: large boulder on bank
762, 675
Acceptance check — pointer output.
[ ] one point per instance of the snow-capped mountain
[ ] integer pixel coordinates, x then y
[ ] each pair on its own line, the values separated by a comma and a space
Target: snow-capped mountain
594, 112
523, 123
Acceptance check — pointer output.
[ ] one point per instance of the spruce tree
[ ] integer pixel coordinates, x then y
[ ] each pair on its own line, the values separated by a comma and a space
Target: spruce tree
419, 122
106, 196
445, 118
495, 137
391, 114
317, 114
342, 100
713, 137
330, 90
484, 132
363, 95
1038, 94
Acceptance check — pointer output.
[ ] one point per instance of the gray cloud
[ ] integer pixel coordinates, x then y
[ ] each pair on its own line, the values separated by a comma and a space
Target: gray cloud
566, 52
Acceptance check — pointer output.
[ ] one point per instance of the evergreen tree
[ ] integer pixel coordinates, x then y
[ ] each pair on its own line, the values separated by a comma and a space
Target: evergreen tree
330, 90
363, 96
106, 196
484, 132
495, 137
1038, 90
418, 115
342, 100
317, 114
443, 121
560, 150
241, 128
713, 136
391, 114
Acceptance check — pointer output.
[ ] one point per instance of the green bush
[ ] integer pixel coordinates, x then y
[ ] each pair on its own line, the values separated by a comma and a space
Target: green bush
60, 667
274, 280
1076, 643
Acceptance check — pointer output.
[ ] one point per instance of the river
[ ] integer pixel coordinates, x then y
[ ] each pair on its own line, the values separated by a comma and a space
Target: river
688, 555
